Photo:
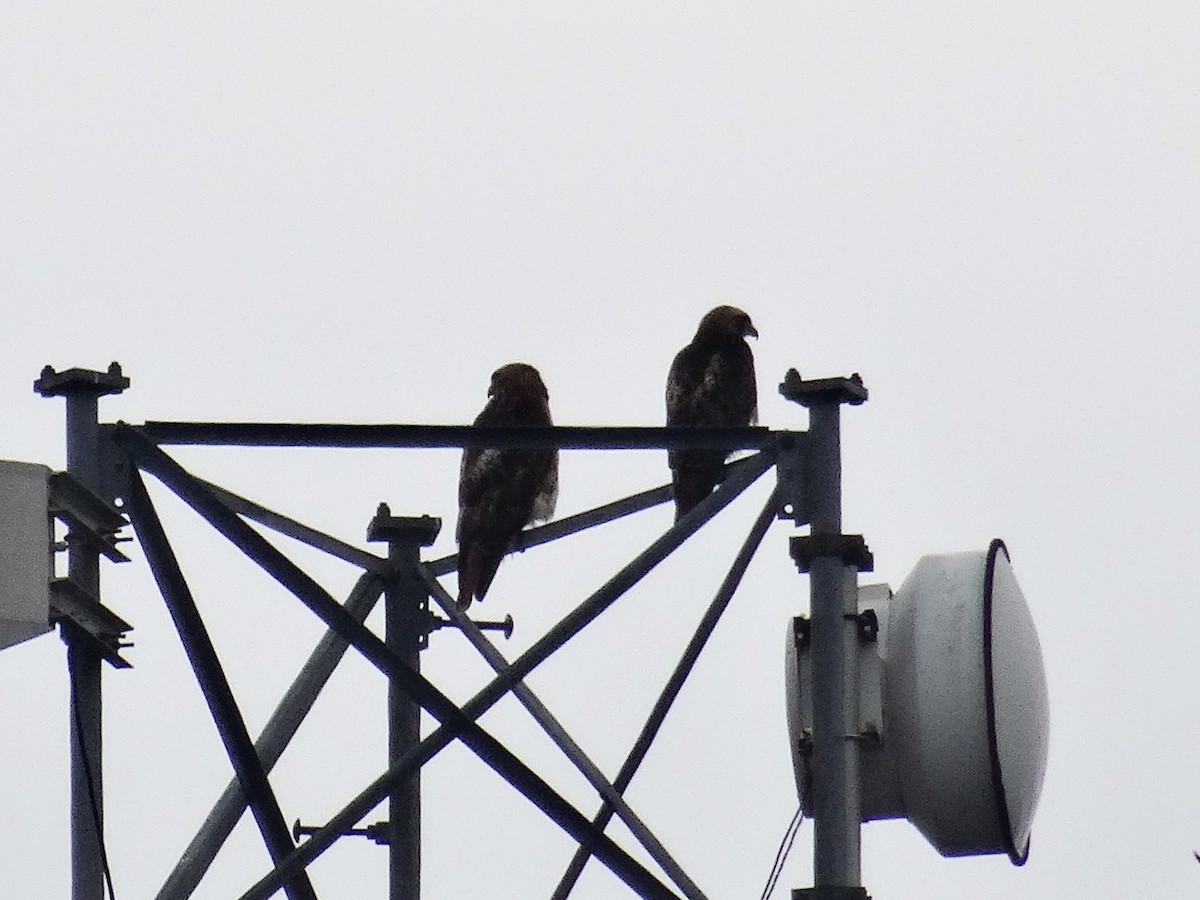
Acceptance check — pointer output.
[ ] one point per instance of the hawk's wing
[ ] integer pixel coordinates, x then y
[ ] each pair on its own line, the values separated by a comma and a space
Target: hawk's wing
500, 491
708, 386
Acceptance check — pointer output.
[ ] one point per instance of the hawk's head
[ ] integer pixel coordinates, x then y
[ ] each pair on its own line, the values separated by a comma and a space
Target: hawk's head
726, 322
515, 379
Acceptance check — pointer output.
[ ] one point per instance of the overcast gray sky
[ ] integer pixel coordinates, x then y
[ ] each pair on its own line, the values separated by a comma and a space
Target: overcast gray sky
355, 212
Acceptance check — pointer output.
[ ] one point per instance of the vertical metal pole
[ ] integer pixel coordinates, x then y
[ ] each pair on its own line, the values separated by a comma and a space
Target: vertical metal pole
832, 560
83, 668
82, 389
406, 604
836, 803
87, 783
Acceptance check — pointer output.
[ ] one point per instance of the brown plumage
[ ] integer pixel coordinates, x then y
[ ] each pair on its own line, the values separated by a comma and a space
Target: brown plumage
711, 383
502, 491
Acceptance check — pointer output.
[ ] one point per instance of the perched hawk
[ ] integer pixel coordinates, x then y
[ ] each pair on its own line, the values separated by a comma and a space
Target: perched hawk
711, 384
502, 491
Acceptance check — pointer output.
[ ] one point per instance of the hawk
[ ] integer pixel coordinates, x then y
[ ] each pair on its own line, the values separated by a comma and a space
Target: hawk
711, 384
500, 491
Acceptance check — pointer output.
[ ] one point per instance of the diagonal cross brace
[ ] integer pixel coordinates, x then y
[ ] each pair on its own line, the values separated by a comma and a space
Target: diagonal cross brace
673, 686
297, 530
276, 735
214, 684
569, 525
455, 722
200, 853
565, 742
741, 477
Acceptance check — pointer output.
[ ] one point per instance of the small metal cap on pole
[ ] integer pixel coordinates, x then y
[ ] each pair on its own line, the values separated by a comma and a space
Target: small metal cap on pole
407, 619
832, 561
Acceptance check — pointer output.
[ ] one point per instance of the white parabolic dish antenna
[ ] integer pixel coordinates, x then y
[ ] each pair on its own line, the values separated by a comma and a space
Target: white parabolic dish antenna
25, 554
955, 690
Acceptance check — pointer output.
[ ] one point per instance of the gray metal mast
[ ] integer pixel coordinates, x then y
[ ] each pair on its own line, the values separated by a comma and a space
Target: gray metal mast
833, 561
406, 629
82, 389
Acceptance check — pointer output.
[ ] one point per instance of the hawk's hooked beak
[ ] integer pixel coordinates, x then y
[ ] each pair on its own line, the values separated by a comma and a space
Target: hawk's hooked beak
750, 330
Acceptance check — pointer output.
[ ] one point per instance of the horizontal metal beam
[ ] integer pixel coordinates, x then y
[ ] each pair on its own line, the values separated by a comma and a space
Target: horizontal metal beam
287, 434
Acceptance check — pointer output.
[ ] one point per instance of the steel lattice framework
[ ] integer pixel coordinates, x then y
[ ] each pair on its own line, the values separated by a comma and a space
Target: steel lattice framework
112, 459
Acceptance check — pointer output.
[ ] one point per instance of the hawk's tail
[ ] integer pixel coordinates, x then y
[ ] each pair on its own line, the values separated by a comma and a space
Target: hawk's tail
477, 565
691, 483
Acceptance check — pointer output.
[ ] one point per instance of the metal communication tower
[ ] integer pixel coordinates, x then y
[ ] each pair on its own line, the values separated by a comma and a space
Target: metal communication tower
110, 460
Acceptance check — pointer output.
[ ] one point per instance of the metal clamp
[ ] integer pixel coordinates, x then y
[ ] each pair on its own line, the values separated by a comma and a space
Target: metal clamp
868, 737
804, 743
801, 632
851, 549
789, 474
868, 625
